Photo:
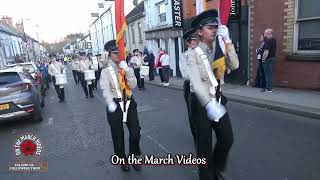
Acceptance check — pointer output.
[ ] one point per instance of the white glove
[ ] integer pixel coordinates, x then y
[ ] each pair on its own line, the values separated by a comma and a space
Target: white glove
124, 65
224, 32
112, 107
215, 110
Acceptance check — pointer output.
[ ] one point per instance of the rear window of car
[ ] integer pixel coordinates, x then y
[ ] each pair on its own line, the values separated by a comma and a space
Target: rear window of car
9, 78
29, 67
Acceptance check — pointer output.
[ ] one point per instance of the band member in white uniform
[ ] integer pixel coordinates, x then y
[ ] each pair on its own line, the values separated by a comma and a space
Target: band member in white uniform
136, 62
207, 64
56, 68
121, 106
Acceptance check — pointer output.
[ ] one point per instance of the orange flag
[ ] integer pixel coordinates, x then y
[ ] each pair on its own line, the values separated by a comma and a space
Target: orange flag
121, 26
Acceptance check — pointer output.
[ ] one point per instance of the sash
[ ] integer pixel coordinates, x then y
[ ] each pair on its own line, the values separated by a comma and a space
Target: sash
84, 65
116, 83
212, 78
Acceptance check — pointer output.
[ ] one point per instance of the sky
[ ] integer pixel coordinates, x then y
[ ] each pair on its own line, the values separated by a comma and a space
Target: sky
54, 19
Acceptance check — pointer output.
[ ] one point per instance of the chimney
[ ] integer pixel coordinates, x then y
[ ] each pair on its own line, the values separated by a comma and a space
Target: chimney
19, 27
7, 20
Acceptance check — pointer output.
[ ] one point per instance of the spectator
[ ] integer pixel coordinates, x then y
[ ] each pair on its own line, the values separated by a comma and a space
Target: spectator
165, 61
151, 64
260, 81
268, 57
159, 65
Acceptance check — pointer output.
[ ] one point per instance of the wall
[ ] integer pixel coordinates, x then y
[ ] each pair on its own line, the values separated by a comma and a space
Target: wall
152, 12
102, 31
137, 44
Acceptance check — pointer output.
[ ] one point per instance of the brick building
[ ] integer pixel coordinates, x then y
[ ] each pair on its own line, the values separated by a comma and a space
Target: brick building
298, 51
296, 25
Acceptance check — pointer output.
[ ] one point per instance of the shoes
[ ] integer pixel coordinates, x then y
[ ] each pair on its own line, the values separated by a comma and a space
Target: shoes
165, 84
91, 96
268, 91
137, 167
125, 167
87, 96
61, 100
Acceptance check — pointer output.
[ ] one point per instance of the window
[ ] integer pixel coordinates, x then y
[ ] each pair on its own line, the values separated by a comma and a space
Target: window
140, 34
132, 32
162, 12
308, 25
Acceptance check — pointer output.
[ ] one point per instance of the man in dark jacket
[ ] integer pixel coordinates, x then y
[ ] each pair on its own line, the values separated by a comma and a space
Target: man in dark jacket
150, 59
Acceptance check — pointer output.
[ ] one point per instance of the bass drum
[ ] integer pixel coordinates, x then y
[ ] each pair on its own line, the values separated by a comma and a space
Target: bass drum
144, 70
89, 75
61, 79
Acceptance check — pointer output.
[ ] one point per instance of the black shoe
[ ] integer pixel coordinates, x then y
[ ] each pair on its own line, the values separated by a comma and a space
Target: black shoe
92, 96
125, 167
61, 100
87, 96
137, 167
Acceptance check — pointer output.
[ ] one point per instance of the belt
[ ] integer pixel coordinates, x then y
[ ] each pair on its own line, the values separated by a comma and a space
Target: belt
120, 99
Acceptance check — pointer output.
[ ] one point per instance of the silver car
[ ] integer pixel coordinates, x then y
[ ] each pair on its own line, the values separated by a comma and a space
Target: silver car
19, 97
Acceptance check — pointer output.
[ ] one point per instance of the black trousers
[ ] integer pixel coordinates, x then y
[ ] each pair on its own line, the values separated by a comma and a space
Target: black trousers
166, 73
60, 91
140, 81
186, 94
217, 157
84, 85
98, 74
161, 75
75, 76
116, 125
151, 73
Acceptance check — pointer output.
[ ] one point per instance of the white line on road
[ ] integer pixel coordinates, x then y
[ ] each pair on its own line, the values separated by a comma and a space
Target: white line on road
156, 142
50, 121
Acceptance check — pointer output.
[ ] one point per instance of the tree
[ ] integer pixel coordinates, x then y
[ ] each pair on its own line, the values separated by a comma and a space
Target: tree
57, 47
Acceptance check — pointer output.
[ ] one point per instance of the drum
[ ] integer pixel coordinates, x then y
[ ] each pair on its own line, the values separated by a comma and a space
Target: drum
95, 64
89, 75
144, 70
61, 79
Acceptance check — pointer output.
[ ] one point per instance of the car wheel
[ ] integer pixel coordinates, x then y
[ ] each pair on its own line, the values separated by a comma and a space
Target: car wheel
38, 118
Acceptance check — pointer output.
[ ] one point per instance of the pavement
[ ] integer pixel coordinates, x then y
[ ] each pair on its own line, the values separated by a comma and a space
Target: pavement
294, 101
268, 144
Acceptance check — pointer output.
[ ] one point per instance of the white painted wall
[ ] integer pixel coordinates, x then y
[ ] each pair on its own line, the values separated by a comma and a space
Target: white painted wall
137, 44
103, 30
152, 14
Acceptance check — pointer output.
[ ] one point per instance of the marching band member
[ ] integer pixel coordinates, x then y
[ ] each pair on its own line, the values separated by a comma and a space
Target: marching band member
192, 41
137, 61
56, 68
207, 64
75, 70
121, 106
85, 64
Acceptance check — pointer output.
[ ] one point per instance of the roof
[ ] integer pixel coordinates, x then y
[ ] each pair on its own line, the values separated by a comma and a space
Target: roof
136, 13
12, 69
4, 27
108, 10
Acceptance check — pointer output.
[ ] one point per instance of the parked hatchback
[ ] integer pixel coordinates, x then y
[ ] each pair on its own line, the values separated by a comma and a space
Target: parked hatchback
19, 98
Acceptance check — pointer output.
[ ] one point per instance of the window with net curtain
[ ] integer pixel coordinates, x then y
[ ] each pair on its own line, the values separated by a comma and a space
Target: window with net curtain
162, 12
308, 22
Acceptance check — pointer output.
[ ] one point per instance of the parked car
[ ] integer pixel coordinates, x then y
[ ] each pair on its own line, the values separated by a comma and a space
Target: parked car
19, 96
34, 70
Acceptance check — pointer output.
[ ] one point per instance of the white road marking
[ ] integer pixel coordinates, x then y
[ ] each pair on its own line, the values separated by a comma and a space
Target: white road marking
50, 121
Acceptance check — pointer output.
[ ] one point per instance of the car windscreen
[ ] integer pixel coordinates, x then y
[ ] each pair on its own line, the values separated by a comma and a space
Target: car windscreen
9, 78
